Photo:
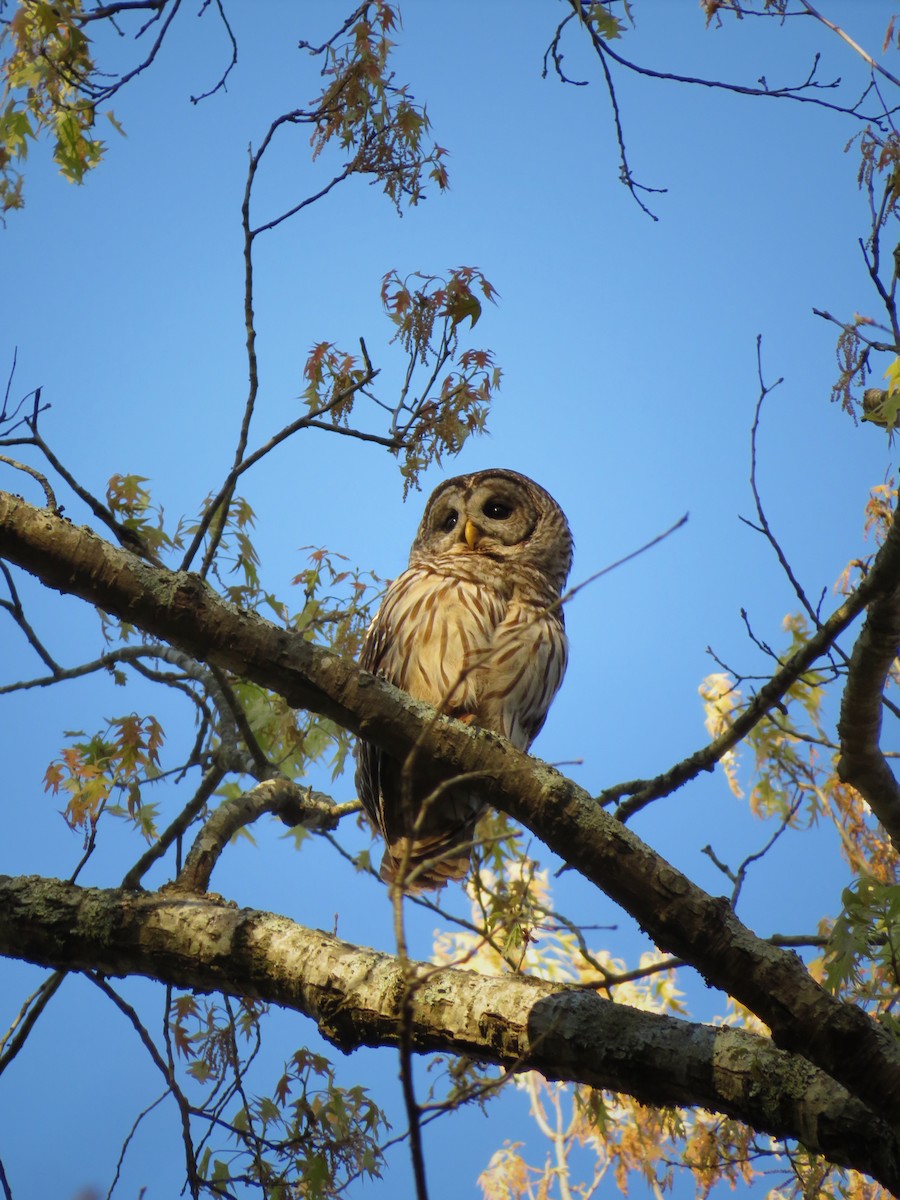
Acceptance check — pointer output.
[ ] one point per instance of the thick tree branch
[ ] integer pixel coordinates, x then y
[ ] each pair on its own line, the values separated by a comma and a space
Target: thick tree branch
680, 917
355, 995
862, 763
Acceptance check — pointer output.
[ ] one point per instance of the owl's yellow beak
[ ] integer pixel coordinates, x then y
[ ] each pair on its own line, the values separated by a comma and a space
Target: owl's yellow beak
473, 534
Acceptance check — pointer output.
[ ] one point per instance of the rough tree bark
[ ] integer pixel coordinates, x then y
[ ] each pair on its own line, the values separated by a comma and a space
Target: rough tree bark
805, 1020
355, 995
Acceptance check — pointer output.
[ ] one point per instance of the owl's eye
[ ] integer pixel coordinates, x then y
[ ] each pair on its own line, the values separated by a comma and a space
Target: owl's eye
496, 510
449, 522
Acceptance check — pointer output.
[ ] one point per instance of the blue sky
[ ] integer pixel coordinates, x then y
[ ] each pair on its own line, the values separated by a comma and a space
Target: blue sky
629, 356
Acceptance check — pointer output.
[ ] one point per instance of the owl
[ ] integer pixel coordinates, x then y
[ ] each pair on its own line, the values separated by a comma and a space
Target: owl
474, 627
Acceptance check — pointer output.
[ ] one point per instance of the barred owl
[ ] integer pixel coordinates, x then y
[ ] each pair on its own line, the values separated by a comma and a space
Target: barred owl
472, 627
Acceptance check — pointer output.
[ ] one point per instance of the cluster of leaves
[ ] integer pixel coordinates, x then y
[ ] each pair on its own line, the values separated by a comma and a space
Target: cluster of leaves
365, 113
48, 61
333, 378
879, 176
132, 505
428, 311
118, 761
602, 21
308, 1137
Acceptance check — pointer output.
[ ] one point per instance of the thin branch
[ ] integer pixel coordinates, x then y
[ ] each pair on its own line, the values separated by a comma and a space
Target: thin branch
293, 804
223, 496
232, 64
235, 710
739, 876
405, 1045
876, 66
784, 93
208, 784
764, 391
129, 538
625, 174
107, 91
660, 537
131, 1132
167, 1070
14, 607
885, 570
862, 763
15, 1037
42, 480
124, 654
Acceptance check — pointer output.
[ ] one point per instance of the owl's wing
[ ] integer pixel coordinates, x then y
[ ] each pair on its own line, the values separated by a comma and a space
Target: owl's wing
525, 668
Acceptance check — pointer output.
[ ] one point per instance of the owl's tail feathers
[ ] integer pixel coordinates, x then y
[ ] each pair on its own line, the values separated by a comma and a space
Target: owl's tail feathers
430, 863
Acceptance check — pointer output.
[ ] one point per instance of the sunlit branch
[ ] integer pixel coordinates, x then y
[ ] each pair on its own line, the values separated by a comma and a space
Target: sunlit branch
129, 538
293, 804
564, 1031
883, 577
876, 66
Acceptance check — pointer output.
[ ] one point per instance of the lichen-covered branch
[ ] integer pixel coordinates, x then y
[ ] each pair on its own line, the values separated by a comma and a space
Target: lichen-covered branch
355, 997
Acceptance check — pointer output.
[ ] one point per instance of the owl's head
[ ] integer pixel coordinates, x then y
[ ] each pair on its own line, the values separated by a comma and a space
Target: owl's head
499, 516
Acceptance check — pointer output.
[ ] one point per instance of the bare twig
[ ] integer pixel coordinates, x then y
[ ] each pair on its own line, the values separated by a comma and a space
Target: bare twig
129, 538
231, 65
876, 66
128, 1139
166, 1069
42, 480
600, 47
15, 1037
660, 537
14, 607
210, 781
